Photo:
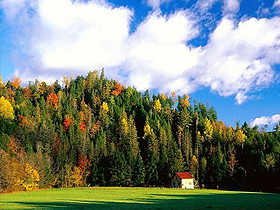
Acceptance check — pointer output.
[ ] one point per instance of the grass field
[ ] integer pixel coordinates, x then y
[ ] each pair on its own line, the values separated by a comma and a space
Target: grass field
138, 198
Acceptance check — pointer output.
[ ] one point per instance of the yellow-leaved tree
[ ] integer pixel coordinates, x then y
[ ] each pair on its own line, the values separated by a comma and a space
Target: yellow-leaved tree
124, 125
76, 177
32, 178
240, 136
6, 109
105, 107
194, 166
147, 130
208, 130
186, 102
157, 105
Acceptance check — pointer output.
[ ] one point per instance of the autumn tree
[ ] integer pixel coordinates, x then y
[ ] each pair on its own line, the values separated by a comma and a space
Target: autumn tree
118, 89
67, 122
76, 177
53, 100
194, 166
232, 163
185, 102
16, 82
31, 178
6, 109
240, 137
157, 105
82, 124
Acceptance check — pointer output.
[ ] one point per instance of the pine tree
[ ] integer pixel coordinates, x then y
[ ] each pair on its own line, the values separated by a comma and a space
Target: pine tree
93, 178
119, 170
100, 145
151, 170
133, 137
179, 162
138, 174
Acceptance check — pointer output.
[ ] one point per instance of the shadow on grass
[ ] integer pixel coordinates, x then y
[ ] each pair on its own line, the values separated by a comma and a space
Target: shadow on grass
159, 201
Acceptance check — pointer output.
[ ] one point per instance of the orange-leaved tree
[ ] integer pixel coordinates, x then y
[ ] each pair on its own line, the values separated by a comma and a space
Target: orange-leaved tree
118, 89
186, 102
67, 122
82, 124
53, 99
16, 82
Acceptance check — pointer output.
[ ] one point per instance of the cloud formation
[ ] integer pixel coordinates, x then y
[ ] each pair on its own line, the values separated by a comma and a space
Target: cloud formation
158, 54
61, 36
236, 60
156, 3
13, 7
82, 35
276, 3
231, 6
264, 120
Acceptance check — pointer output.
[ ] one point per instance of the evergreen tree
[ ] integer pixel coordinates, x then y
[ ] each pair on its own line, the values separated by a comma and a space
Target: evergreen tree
151, 170
138, 174
119, 170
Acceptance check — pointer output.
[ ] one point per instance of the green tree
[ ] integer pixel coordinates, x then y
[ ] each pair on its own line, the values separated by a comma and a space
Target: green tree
138, 174
120, 171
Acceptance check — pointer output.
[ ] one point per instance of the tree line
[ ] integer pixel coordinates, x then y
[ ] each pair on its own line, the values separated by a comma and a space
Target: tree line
92, 131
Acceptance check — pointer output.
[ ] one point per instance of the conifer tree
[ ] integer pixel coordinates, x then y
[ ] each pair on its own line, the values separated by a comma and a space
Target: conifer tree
119, 170
151, 170
138, 174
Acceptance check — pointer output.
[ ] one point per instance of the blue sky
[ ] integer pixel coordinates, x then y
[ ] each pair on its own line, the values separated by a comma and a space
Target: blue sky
222, 52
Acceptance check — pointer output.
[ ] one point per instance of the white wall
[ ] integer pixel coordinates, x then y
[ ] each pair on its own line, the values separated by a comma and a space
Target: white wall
187, 184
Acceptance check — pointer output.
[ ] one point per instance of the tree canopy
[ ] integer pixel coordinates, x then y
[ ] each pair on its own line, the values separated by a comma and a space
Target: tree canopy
95, 131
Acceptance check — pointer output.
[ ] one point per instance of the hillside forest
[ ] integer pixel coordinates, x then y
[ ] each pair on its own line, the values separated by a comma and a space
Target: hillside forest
93, 131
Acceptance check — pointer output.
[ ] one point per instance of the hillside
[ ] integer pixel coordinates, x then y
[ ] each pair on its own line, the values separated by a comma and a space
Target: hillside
94, 131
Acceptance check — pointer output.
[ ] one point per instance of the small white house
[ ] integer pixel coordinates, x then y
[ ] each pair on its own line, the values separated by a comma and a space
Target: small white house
184, 180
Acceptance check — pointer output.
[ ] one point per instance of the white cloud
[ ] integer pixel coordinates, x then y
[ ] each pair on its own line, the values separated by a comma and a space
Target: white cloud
264, 120
28, 75
240, 98
231, 6
237, 61
276, 3
205, 5
63, 36
77, 36
156, 3
81, 35
12, 7
157, 50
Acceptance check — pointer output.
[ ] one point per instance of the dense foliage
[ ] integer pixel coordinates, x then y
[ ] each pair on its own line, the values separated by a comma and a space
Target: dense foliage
94, 131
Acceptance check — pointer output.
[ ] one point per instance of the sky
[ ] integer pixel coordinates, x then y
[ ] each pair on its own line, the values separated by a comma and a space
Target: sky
225, 53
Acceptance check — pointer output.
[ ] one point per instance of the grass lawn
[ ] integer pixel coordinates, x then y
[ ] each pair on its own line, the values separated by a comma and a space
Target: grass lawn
138, 198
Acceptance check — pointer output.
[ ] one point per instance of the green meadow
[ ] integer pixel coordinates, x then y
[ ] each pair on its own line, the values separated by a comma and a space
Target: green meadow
138, 198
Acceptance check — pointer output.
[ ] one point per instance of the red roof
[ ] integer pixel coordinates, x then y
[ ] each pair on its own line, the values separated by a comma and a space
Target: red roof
185, 175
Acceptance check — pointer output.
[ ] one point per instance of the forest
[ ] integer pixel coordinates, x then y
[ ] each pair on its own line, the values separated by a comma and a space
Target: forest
93, 131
